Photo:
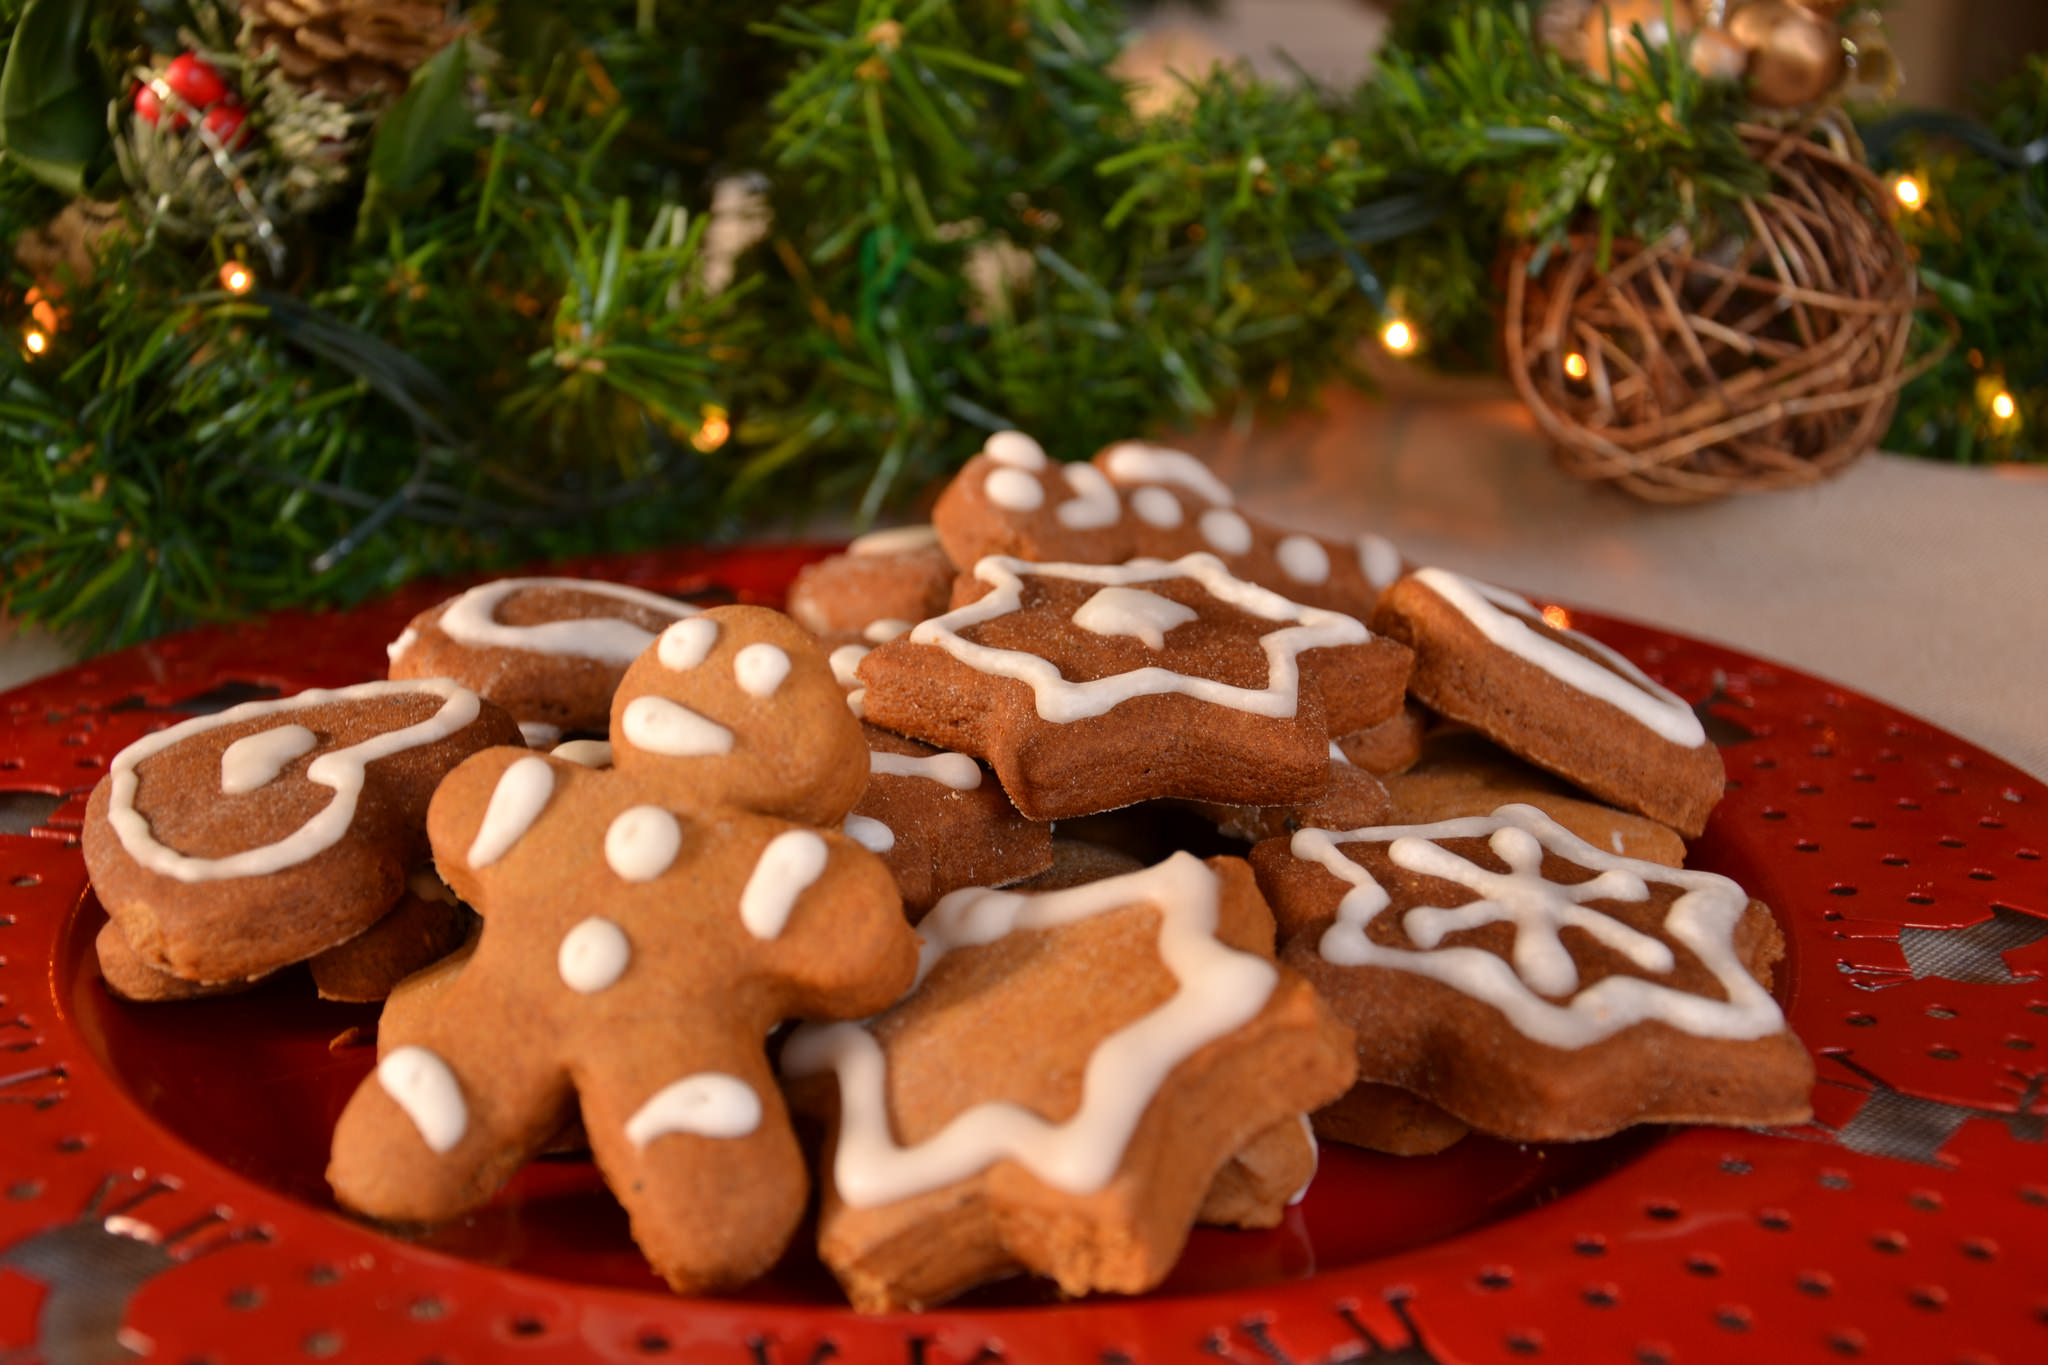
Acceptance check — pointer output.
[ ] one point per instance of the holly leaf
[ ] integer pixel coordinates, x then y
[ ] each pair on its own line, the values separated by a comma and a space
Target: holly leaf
424, 123
53, 108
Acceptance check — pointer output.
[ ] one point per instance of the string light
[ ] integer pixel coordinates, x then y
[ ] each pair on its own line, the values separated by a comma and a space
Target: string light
1910, 193
236, 279
1575, 366
1399, 337
716, 430
36, 342
2003, 407
1557, 618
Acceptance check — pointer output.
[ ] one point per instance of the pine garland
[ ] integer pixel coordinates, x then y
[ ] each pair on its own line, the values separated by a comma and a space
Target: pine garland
512, 337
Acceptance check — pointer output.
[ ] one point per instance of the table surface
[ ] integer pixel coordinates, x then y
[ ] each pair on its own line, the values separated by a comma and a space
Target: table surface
1921, 584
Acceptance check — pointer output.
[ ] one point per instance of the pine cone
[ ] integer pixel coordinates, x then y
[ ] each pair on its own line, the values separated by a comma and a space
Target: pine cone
348, 48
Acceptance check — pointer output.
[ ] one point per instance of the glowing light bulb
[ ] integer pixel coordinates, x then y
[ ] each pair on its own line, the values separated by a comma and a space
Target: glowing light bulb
1910, 193
36, 342
236, 279
1575, 366
1399, 337
1557, 618
2003, 407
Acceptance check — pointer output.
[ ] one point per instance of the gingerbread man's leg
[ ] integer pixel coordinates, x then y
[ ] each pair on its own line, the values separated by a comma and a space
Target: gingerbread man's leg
698, 1147
456, 1105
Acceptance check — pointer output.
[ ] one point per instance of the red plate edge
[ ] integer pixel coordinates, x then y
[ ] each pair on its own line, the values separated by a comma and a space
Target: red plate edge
1850, 818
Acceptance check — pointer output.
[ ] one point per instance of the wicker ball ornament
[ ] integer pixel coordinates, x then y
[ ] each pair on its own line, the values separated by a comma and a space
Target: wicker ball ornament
1769, 360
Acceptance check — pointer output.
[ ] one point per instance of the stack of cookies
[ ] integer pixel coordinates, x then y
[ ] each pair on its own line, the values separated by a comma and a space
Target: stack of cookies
1081, 858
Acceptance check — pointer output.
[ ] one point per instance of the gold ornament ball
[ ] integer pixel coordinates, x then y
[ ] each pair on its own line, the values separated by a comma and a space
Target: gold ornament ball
1719, 57
1795, 54
1615, 20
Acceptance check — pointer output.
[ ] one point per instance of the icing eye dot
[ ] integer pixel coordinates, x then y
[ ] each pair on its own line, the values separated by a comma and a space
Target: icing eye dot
421, 1084
1378, 560
660, 726
1156, 507
1015, 449
870, 833
1303, 559
593, 955
686, 644
759, 669
641, 843
1014, 490
1226, 531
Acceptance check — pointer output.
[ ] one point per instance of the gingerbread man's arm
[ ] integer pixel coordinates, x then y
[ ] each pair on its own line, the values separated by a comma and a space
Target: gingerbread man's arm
829, 919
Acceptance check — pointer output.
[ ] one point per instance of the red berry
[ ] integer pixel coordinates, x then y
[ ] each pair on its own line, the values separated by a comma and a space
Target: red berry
227, 123
195, 82
148, 107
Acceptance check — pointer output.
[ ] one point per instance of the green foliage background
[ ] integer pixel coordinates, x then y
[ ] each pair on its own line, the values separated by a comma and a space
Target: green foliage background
503, 347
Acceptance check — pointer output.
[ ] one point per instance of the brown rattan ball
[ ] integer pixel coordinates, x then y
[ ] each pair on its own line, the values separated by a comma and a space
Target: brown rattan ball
1771, 361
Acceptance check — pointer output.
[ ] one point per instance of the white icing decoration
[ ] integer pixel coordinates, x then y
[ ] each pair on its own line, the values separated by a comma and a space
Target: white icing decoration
895, 540
845, 662
585, 753
421, 1084
1015, 449
1703, 919
760, 668
516, 802
957, 771
1378, 560
341, 769
255, 760
870, 833
641, 842
1157, 507
686, 644
1315, 1164
1132, 611
1337, 755
1226, 531
538, 733
785, 870
885, 629
1133, 462
1614, 838
472, 620
1094, 504
1509, 621
1014, 490
407, 638
661, 726
593, 955
709, 1104
1303, 559
856, 702
1061, 701
1219, 990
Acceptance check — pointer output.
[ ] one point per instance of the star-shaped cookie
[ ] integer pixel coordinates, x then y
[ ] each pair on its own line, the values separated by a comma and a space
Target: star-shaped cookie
1089, 687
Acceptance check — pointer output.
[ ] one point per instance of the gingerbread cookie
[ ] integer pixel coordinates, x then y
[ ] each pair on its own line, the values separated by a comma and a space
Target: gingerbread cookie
1559, 699
1463, 773
1142, 501
941, 823
549, 650
1354, 798
885, 583
1386, 1118
1393, 746
1089, 687
1063, 1087
231, 845
645, 926
1537, 987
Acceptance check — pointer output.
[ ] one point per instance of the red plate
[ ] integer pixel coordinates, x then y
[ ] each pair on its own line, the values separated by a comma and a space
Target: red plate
160, 1166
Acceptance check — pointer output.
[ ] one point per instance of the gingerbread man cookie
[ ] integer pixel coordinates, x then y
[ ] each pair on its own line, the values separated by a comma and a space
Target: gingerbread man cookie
1536, 987
1064, 1086
1089, 687
231, 845
549, 650
645, 926
1136, 500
